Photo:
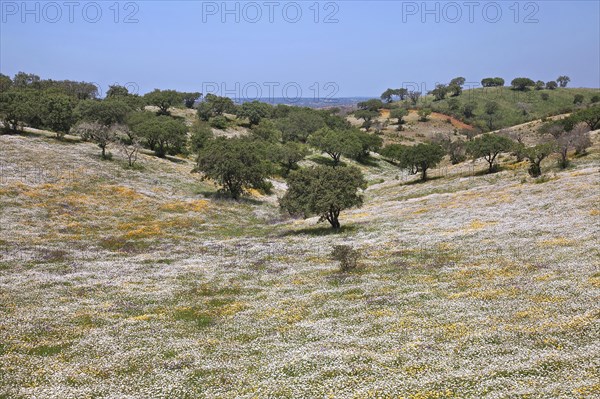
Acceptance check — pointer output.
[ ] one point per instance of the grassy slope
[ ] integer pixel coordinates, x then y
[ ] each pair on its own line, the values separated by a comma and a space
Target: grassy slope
559, 102
139, 283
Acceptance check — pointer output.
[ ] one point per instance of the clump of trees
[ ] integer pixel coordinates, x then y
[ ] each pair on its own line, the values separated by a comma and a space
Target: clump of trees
572, 133
161, 133
416, 159
455, 149
389, 95
352, 143
213, 105
454, 88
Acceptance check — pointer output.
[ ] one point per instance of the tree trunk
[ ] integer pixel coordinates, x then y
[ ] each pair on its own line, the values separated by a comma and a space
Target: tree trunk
332, 218
564, 161
103, 151
423, 174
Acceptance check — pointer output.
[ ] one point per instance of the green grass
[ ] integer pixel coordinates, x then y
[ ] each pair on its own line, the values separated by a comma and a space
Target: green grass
560, 101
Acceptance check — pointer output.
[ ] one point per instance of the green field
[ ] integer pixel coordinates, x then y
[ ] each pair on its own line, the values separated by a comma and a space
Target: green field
560, 101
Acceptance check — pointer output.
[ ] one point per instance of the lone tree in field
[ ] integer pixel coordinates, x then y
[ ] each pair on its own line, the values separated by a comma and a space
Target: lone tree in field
323, 191
488, 146
102, 135
535, 156
417, 159
563, 80
455, 149
236, 164
540, 85
398, 113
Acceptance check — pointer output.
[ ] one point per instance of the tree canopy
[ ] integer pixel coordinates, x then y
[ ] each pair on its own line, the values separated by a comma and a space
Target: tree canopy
492, 82
236, 164
522, 83
163, 99
255, 111
323, 191
416, 159
488, 146
162, 134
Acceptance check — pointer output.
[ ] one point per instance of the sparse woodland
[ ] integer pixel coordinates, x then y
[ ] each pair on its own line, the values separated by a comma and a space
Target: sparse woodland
169, 243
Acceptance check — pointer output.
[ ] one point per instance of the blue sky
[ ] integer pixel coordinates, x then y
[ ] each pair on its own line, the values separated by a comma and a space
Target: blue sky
366, 47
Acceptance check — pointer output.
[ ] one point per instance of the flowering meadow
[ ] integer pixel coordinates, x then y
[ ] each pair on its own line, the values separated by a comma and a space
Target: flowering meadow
122, 283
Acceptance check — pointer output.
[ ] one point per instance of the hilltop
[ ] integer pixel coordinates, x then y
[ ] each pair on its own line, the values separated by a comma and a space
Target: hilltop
514, 107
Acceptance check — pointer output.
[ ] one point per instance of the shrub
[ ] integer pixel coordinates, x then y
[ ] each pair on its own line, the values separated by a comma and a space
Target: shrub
200, 134
424, 114
399, 113
219, 122
347, 256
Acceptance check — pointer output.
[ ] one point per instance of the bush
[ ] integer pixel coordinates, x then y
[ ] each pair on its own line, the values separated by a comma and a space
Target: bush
219, 122
347, 256
424, 114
